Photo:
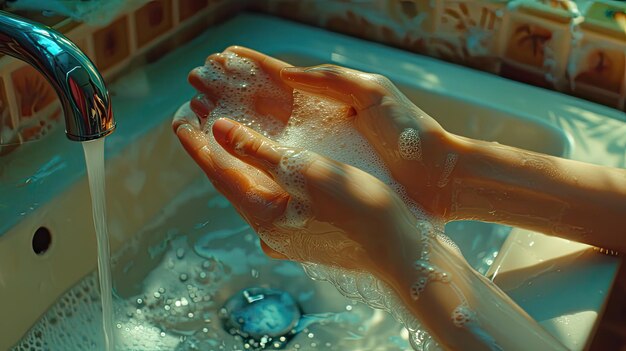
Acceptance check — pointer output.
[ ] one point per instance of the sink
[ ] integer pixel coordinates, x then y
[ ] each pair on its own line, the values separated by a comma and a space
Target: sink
167, 223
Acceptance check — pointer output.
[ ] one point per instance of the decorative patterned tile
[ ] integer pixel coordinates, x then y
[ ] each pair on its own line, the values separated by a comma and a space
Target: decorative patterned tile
608, 17
466, 32
597, 66
111, 44
412, 15
527, 43
32, 90
536, 45
152, 20
600, 67
469, 16
9, 136
353, 24
38, 105
556, 10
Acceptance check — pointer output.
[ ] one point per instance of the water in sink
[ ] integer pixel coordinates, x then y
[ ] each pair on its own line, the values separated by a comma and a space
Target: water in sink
173, 279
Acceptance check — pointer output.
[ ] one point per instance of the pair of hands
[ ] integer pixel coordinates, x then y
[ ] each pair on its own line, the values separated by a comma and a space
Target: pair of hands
348, 203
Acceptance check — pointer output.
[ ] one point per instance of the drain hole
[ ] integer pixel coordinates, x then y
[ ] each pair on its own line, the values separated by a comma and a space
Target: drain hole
41, 240
264, 318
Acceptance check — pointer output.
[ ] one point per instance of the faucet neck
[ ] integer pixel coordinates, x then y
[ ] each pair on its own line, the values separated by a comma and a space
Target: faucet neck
81, 89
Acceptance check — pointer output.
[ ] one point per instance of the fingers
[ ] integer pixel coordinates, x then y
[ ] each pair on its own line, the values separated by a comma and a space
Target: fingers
194, 141
270, 65
209, 81
358, 89
203, 79
256, 197
202, 106
271, 252
332, 186
184, 115
321, 191
248, 145
257, 200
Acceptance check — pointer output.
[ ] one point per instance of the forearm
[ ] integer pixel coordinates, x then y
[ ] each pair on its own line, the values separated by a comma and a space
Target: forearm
495, 321
556, 196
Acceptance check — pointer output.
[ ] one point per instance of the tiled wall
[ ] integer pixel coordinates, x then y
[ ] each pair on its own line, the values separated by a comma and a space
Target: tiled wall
29, 107
576, 47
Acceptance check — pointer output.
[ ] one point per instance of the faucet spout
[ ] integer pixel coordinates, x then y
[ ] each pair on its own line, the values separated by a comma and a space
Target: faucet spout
81, 89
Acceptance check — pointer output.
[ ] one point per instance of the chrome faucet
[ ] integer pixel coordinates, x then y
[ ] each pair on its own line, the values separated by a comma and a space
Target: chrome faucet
81, 89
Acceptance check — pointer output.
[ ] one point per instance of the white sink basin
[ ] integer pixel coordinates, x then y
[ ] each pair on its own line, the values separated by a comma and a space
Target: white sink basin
158, 197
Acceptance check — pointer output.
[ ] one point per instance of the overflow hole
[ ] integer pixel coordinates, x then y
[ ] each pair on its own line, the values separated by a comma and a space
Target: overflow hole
41, 240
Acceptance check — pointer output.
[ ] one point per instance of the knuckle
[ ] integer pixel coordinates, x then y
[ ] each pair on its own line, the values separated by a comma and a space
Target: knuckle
381, 82
254, 145
235, 136
331, 69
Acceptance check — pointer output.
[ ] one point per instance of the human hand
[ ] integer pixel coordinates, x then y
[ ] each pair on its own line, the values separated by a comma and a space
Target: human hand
304, 206
335, 233
416, 149
310, 208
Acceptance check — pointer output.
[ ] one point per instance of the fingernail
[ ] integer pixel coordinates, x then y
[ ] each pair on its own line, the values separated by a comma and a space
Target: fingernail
313, 69
221, 128
292, 69
303, 69
183, 127
191, 136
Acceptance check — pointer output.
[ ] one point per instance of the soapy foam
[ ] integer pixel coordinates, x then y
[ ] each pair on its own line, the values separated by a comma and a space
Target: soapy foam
410, 145
69, 325
288, 174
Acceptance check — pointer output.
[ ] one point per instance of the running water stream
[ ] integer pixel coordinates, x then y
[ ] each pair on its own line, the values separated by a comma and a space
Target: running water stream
94, 160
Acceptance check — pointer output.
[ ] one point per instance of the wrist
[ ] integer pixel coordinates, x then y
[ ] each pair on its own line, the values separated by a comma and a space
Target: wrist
399, 249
